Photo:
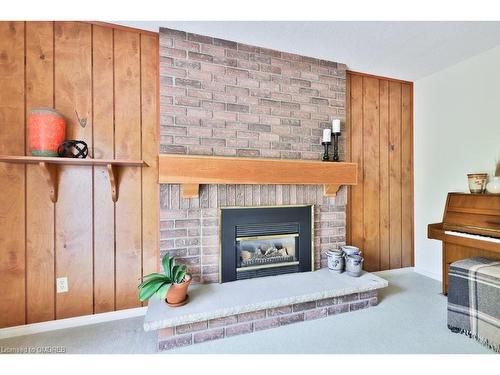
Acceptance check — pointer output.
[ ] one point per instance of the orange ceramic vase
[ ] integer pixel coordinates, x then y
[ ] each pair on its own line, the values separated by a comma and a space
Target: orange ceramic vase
177, 293
46, 131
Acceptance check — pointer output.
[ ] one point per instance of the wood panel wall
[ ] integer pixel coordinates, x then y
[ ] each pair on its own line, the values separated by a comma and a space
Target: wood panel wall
107, 76
380, 207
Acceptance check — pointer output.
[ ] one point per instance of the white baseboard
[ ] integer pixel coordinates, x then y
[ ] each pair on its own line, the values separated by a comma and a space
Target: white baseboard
396, 270
78, 321
427, 273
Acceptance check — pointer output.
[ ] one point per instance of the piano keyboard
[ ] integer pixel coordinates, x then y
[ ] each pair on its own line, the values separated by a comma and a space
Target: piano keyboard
473, 236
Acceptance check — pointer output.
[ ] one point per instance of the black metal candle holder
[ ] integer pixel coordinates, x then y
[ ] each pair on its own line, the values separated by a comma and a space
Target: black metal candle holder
325, 153
336, 146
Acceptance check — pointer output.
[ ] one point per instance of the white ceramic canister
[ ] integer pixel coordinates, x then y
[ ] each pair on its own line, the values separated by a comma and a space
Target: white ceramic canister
350, 250
336, 262
354, 265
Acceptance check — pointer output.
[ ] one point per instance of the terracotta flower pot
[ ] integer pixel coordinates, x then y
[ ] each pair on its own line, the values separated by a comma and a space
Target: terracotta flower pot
177, 293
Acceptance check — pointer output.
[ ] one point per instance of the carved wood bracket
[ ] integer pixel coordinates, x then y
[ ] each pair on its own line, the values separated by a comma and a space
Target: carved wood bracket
50, 174
50, 169
113, 181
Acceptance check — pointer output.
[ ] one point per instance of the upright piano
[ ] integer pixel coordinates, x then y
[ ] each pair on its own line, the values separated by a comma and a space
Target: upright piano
470, 227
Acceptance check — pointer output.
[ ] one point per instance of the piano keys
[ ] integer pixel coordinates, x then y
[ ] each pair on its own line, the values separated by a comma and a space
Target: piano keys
473, 236
470, 227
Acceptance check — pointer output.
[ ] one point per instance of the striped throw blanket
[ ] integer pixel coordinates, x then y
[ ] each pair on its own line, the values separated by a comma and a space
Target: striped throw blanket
474, 300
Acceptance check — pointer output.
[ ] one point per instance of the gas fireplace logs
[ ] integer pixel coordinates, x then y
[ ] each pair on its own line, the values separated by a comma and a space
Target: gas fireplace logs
265, 255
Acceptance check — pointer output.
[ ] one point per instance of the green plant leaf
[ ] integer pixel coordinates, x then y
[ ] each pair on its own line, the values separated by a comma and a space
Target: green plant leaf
180, 276
155, 274
160, 279
179, 273
148, 289
161, 293
167, 265
152, 277
174, 271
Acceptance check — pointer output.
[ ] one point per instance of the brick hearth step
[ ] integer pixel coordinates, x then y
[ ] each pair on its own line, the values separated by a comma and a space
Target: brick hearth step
216, 311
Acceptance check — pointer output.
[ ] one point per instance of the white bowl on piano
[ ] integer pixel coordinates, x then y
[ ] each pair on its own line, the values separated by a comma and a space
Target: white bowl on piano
493, 187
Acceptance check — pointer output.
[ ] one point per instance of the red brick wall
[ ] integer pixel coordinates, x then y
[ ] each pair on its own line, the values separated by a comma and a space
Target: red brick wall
220, 97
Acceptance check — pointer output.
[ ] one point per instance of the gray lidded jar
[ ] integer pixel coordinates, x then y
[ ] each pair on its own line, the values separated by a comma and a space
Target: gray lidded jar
336, 262
354, 265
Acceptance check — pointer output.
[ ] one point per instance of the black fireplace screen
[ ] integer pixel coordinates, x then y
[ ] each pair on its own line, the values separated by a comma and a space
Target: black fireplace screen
265, 241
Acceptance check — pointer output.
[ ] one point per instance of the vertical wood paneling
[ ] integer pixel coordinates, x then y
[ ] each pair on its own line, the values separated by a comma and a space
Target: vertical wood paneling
12, 177
40, 257
395, 173
371, 162
384, 174
356, 150
71, 66
380, 207
150, 140
104, 221
73, 96
83, 82
406, 177
128, 146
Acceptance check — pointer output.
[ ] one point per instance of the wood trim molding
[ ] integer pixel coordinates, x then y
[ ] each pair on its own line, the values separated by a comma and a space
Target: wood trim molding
191, 171
122, 27
379, 77
79, 321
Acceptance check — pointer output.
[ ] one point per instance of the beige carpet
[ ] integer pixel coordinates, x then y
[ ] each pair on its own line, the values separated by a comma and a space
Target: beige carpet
410, 318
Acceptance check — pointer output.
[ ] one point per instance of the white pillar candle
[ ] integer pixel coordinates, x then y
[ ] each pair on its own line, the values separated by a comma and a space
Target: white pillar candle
335, 126
327, 135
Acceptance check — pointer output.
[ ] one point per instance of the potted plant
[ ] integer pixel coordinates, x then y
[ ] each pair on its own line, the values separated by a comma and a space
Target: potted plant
170, 285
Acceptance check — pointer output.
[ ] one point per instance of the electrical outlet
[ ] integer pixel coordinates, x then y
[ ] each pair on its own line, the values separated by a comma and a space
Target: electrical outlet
62, 284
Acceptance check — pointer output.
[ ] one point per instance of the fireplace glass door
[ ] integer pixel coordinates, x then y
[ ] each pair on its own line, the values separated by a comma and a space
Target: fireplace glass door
266, 251
265, 241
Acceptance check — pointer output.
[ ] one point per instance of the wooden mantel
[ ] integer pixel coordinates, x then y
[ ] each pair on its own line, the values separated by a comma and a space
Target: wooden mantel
191, 171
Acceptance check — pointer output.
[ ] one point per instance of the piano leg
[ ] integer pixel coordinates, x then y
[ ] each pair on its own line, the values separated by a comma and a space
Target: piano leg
445, 270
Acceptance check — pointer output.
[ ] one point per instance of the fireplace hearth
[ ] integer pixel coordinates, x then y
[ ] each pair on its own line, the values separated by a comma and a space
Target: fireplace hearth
265, 241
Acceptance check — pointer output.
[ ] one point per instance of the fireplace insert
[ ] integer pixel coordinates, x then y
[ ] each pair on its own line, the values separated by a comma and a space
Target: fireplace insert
265, 241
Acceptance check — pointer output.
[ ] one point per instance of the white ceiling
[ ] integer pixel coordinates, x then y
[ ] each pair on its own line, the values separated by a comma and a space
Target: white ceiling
404, 50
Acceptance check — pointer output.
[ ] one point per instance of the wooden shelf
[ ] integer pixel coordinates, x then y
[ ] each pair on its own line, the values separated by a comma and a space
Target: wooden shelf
71, 161
49, 168
191, 171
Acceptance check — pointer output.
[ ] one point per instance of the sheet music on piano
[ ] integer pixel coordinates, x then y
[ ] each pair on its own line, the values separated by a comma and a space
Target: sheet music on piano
473, 236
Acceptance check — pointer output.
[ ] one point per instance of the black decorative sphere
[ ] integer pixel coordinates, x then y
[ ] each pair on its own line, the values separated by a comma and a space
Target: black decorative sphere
73, 149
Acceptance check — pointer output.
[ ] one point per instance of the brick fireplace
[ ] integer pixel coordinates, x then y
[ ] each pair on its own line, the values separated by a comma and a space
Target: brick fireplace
224, 98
